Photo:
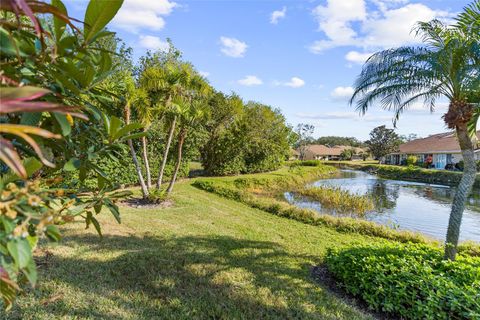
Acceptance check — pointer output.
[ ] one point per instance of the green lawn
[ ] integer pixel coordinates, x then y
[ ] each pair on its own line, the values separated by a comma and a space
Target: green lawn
204, 258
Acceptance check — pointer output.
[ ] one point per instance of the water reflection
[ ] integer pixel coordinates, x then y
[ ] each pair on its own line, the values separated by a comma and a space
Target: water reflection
408, 205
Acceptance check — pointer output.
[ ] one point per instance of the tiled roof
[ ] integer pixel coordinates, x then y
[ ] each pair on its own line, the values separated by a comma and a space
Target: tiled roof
442, 142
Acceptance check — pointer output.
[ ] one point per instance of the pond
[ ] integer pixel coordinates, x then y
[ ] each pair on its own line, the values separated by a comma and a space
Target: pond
402, 204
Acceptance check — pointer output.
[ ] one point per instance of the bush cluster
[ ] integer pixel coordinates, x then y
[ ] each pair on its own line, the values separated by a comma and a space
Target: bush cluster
122, 172
305, 163
244, 138
409, 280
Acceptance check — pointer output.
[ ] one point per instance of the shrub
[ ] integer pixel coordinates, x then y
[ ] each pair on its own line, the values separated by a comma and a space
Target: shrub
410, 280
412, 160
157, 195
305, 163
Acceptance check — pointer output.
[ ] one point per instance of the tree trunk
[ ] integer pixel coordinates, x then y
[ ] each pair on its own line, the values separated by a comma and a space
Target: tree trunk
181, 139
165, 153
463, 190
134, 157
145, 161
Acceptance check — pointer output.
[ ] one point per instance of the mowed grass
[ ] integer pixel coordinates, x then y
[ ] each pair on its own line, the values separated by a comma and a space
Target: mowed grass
204, 258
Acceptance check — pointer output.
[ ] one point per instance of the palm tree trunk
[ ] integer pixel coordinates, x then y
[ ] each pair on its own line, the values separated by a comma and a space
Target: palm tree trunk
165, 152
181, 139
134, 157
145, 161
463, 190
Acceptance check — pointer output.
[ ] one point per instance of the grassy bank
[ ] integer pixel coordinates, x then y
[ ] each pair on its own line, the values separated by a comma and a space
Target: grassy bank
206, 257
262, 192
431, 176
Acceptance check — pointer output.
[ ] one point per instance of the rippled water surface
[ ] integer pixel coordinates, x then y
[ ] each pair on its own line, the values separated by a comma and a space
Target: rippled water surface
403, 204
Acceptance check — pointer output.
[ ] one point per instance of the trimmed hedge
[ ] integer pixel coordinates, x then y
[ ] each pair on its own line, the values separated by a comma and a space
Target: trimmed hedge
409, 280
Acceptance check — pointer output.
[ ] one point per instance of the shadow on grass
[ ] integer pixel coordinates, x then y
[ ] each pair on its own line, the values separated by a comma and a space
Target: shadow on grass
188, 278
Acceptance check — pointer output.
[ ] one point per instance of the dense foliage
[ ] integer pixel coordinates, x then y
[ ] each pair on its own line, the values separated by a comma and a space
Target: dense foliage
339, 141
383, 141
244, 138
57, 117
409, 280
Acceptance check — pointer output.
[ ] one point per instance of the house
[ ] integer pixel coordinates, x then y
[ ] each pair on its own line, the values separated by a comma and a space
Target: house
294, 154
323, 152
442, 149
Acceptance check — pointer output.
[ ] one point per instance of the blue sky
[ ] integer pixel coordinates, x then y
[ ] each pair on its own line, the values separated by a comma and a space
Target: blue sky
299, 56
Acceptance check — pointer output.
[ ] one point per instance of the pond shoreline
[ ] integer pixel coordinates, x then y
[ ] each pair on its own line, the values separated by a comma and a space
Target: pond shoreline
403, 205
431, 176
250, 190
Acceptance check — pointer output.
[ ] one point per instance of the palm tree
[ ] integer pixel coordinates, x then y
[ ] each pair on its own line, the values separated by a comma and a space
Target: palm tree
144, 113
447, 65
165, 82
190, 114
131, 96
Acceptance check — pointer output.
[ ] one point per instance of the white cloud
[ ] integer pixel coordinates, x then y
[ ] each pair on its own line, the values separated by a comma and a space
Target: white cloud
357, 57
342, 93
153, 43
204, 73
277, 15
137, 14
250, 81
349, 23
233, 47
295, 82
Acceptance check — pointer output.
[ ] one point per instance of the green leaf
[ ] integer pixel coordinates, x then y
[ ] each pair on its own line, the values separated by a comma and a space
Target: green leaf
115, 123
91, 219
58, 24
135, 136
126, 129
72, 164
98, 15
20, 251
63, 122
8, 44
79, 209
53, 233
31, 118
30, 271
113, 209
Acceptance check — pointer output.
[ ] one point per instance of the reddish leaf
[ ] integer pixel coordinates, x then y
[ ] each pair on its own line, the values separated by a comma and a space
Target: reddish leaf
11, 158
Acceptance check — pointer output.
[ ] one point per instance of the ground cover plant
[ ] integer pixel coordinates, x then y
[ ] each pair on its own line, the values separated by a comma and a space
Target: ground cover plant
409, 280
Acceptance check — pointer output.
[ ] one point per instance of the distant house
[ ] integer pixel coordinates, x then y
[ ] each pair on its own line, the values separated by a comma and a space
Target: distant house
294, 154
323, 152
441, 149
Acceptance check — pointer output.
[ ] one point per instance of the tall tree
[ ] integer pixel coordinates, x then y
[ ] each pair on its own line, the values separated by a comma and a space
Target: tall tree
165, 81
132, 96
383, 141
304, 133
191, 109
446, 65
